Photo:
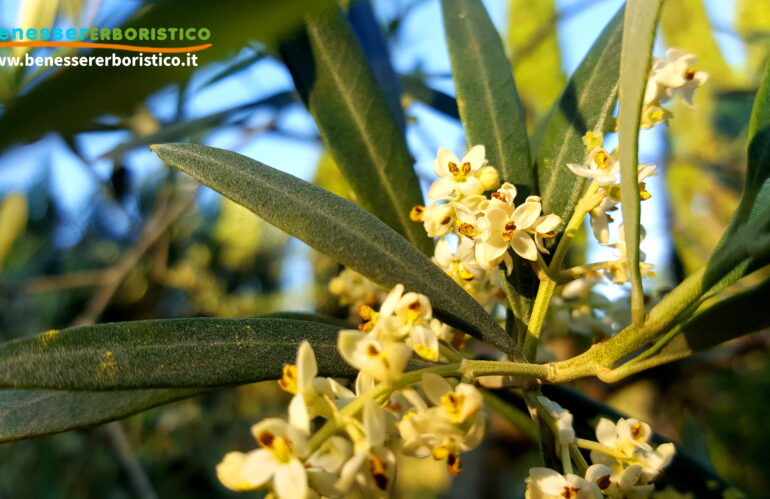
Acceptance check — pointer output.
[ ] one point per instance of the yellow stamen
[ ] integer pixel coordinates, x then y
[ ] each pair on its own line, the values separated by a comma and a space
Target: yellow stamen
468, 230
288, 381
369, 318
416, 213
425, 352
508, 231
279, 446
569, 492
602, 159
643, 193
454, 464
449, 452
413, 311
689, 74
379, 470
453, 404
464, 274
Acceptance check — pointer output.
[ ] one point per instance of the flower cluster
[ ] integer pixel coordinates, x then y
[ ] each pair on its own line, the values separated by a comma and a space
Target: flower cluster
624, 462
353, 453
668, 76
484, 228
343, 441
354, 290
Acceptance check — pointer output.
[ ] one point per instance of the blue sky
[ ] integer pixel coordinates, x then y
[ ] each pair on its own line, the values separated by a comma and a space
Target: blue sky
422, 44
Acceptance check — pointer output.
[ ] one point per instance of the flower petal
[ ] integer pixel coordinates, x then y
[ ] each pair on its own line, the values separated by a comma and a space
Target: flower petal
258, 467
307, 368
435, 387
525, 215
290, 480
475, 156
524, 246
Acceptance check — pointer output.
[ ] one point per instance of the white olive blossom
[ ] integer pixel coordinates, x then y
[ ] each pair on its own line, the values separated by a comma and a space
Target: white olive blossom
545, 483
457, 176
673, 74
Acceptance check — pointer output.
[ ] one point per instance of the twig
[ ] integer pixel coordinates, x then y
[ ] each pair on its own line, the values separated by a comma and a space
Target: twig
111, 279
139, 480
153, 229
84, 279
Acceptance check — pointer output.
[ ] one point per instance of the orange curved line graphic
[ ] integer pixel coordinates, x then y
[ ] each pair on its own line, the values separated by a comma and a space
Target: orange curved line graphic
114, 46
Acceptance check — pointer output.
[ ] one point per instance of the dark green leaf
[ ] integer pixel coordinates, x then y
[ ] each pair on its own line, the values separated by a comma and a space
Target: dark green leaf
331, 74
304, 316
33, 413
487, 97
415, 88
175, 353
337, 228
586, 104
640, 20
69, 98
741, 314
758, 170
367, 30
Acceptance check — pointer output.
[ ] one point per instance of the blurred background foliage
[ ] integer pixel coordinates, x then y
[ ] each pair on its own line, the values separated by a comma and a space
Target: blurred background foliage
93, 229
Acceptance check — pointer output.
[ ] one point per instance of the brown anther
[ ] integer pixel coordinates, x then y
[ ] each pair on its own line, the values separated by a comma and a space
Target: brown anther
689, 74
468, 230
569, 492
266, 439
446, 219
416, 213
378, 469
510, 226
454, 464
637, 431
465, 168
604, 481
452, 166
498, 196
372, 350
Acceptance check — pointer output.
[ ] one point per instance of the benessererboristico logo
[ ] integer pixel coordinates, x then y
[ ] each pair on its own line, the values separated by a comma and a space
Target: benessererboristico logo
143, 42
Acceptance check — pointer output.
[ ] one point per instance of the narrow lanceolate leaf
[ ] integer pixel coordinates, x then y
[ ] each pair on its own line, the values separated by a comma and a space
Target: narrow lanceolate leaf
331, 74
33, 413
489, 103
759, 148
740, 314
335, 227
415, 88
586, 104
171, 353
367, 30
641, 17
